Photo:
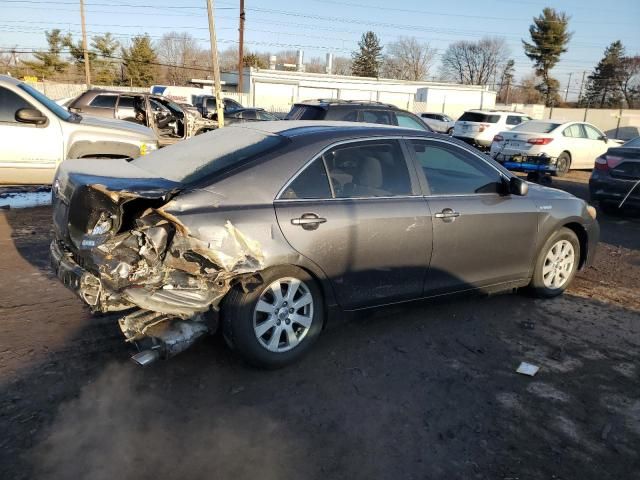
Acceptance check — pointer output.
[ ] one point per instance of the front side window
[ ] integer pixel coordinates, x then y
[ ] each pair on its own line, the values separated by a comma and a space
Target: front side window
451, 170
10, 103
513, 120
126, 102
377, 116
592, 133
104, 101
408, 121
375, 168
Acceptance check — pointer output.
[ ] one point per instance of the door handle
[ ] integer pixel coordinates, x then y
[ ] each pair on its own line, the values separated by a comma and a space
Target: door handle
308, 221
447, 215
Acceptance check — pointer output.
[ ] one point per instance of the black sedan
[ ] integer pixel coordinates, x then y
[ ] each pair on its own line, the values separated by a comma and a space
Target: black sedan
615, 180
268, 229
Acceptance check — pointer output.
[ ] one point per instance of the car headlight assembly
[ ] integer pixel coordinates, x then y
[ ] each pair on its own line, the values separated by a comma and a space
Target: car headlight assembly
592, 211
146, 148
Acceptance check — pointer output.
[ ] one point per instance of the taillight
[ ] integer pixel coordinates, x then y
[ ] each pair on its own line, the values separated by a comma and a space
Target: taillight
540, 141
483, 127
605, 162
498, 138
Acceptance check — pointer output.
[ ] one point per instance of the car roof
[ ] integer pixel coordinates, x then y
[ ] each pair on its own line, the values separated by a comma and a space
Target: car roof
298, 128
489, 112
326, 102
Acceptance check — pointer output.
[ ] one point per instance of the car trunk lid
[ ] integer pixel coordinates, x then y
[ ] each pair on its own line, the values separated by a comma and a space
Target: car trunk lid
624, 162
90, 194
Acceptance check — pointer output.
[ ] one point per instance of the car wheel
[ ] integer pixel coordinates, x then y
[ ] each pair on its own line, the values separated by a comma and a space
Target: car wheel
556, 265
562, 165
276, 323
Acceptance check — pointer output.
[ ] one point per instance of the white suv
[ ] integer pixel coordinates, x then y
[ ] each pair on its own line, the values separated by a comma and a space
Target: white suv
478, 127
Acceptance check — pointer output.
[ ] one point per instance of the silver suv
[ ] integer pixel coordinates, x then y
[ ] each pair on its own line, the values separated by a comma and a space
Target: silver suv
478, 127
37, 134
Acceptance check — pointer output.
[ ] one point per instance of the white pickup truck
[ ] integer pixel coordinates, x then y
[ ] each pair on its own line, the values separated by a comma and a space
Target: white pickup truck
37, 134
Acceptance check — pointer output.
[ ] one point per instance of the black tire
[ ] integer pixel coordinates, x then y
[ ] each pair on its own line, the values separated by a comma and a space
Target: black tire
563, 165
238, 320
537, 284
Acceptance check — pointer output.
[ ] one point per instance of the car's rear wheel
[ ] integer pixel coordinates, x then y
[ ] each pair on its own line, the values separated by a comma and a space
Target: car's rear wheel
563, 164
275, 324
557, 264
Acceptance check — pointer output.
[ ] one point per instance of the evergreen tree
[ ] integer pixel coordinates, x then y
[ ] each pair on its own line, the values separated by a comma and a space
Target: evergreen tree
506, 80
549, 38
105, 67
604, 88
140, 62
367, 61
49, 63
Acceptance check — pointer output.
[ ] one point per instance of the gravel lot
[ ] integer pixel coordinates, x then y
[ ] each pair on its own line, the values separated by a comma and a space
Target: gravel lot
424, 391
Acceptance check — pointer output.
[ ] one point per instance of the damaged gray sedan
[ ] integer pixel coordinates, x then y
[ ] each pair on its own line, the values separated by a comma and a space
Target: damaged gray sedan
264, 230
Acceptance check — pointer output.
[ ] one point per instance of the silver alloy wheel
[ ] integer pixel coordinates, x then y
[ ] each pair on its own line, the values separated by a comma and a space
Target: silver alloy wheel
558, 264
283, 314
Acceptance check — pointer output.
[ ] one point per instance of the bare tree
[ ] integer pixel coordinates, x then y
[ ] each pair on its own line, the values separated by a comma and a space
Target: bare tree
341, 66
182, 56
408, 59
474, 63
526, 91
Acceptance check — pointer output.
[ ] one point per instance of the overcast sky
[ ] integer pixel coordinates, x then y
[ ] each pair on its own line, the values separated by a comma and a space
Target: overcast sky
321, 26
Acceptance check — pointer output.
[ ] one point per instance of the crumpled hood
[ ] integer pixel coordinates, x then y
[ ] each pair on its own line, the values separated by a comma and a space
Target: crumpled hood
122, 125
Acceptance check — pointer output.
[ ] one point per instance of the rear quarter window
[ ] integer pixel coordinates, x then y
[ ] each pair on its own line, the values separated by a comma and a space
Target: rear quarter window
305, 112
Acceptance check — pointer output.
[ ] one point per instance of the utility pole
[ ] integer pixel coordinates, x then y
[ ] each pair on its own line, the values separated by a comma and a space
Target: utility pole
215, 66
566, 93
241, 48
581, 87
87, 67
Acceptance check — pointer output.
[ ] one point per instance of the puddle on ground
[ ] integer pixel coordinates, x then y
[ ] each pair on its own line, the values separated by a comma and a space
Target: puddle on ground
25, 199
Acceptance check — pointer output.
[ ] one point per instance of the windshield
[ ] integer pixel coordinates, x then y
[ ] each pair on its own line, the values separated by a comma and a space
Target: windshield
58, 110
479, 117
536, 127
204, 155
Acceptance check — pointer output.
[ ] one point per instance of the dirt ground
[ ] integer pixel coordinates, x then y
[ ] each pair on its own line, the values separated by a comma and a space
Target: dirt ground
423, 391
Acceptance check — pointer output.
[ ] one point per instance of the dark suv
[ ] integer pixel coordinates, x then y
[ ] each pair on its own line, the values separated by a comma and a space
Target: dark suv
355, 111
170, 121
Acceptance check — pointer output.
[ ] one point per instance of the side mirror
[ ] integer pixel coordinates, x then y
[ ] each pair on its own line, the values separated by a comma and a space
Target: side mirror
30, 115
517, 186
604, 138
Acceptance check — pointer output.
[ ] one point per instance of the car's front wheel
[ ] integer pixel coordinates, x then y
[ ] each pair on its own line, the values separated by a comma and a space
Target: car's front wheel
556, 264
277, 322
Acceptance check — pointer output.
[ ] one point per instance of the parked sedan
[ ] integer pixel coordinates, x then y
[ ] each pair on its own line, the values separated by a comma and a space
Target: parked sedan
279, 225
439, 122
549, 146
615, 180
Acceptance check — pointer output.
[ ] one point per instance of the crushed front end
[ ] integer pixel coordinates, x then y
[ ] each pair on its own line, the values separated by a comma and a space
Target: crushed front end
120, 249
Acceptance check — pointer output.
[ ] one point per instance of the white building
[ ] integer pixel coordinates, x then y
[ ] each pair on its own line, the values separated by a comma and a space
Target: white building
277, 90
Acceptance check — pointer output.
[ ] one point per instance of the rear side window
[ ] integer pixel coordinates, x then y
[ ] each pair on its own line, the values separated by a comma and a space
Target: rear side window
342, 114
451, 170
479, 117
126, 102
305, 112
10, 103
377, 116
104, 101
312, 183
574, 131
